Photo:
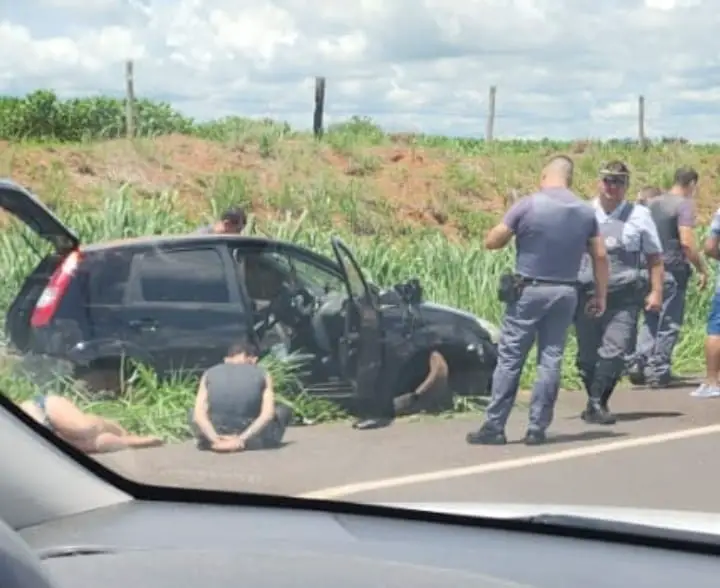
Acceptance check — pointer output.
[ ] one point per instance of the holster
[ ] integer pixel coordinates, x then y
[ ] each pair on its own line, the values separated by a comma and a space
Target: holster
631, 294
510, 288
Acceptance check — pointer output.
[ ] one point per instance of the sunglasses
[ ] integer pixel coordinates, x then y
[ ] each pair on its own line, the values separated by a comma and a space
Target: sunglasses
614, 180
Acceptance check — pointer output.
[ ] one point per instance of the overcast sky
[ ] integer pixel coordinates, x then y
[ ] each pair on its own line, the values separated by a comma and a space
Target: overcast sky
563, 68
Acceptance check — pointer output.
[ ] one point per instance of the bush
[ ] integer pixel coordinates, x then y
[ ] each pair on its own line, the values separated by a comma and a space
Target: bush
43, 116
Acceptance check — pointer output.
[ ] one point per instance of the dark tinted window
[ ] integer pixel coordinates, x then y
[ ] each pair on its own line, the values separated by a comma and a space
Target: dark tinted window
108, 274
266, 271
183, 276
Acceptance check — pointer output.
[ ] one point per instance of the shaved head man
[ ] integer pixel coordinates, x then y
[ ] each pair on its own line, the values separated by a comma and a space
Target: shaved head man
558, 172
553, 229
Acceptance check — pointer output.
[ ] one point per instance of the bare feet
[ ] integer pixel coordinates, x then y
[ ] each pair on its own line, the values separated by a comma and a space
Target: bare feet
108, 442
139, 441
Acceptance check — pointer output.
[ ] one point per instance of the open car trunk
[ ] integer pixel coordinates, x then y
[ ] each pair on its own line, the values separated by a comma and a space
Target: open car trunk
25, 207
17, 319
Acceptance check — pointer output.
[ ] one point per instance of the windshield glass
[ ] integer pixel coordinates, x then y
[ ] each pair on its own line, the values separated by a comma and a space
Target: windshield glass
531, 339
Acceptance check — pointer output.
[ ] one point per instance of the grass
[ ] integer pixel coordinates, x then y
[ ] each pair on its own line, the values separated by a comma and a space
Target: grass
410, 206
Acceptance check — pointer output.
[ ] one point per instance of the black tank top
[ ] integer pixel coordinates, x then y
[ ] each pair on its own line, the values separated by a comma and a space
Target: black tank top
235, 394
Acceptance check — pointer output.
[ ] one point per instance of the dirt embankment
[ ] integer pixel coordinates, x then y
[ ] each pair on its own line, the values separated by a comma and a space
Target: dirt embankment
398, 188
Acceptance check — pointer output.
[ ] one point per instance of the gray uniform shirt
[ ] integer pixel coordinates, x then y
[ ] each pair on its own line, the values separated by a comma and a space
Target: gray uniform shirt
204, 230
552, 229
639, 232
629, 234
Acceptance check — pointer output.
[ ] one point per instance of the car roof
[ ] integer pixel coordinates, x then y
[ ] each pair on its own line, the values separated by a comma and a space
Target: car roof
165, 240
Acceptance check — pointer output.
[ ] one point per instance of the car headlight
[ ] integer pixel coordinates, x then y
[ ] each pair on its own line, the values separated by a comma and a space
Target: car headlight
492, 330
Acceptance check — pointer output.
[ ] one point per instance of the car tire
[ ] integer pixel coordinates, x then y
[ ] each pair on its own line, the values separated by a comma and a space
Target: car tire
102, 379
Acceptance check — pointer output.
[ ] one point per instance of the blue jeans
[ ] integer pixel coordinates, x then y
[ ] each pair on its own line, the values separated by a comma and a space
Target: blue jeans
713, 320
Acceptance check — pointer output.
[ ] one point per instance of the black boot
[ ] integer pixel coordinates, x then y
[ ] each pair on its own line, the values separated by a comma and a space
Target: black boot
596, 412
636, 373
605, 398
587, 374
486, 435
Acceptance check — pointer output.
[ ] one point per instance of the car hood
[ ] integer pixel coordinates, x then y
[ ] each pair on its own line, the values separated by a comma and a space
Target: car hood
492, 329
679, 520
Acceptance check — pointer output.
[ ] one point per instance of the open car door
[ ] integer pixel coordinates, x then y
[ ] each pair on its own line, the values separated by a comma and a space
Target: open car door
19, 202
360, 349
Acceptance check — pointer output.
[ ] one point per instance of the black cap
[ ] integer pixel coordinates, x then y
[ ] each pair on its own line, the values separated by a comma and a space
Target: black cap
235, 215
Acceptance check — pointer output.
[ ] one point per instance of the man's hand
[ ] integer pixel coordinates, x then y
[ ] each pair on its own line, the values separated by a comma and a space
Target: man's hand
595, 306
653, 302
702, 280
228, 444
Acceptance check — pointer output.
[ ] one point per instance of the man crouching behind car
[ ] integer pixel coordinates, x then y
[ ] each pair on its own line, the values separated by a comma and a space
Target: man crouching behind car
235, 406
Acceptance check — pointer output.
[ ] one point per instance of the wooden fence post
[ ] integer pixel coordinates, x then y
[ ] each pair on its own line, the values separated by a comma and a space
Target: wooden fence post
490, 122
129, 100
319, 107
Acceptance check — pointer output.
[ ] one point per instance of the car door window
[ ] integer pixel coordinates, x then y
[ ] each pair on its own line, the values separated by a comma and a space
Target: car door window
266, 271
196, 275
264, 276
109, 275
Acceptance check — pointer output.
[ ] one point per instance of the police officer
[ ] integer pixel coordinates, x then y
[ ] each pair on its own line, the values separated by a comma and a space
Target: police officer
552, 230
674, 216
631, 241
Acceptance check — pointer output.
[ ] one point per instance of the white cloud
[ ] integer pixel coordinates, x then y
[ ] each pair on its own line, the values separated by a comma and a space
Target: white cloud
563, 69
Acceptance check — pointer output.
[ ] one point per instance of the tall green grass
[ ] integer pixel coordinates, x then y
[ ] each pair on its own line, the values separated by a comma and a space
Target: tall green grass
460, 275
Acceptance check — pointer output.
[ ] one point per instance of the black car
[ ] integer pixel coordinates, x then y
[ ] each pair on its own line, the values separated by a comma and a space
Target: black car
178, 303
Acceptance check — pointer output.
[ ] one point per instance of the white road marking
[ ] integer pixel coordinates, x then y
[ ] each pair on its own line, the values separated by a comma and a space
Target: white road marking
508, 464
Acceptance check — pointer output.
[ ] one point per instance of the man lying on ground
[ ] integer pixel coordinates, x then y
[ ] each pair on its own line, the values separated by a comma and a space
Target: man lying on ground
235, 406
432, 395
87, 432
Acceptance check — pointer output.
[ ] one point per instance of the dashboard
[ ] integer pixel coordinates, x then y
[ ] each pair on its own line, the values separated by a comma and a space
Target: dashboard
173, 545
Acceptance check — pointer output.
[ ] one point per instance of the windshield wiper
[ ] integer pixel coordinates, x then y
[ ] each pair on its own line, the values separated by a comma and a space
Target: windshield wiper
73, 551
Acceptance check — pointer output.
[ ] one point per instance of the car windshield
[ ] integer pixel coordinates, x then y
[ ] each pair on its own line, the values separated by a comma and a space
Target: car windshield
545, 328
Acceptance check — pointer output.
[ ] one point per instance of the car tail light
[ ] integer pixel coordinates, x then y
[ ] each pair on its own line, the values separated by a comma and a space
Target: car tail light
51, 296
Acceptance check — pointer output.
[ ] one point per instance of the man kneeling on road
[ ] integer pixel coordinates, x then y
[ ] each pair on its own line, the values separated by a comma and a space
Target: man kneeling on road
235, 406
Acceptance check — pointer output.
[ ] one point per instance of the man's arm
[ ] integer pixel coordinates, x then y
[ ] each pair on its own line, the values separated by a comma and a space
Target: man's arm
712, 243
652, 249
267, 412
200, 413
601, 265
438, 368
686, 229
502, 233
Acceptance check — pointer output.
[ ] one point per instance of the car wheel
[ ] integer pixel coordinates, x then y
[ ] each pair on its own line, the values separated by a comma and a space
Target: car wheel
102, 379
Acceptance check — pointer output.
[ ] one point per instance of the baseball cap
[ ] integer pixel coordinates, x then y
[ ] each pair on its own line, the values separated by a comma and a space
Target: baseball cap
615, 172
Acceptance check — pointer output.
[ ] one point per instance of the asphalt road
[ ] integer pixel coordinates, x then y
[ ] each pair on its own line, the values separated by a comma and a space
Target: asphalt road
662, 453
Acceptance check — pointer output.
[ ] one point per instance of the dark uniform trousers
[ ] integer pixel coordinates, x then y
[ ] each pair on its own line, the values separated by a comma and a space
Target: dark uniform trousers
603, 344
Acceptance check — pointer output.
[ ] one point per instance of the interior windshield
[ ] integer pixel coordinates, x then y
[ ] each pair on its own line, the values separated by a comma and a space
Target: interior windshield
531, 185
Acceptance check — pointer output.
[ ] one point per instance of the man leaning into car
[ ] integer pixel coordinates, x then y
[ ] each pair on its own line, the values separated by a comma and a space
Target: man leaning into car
231, 221
552, 230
